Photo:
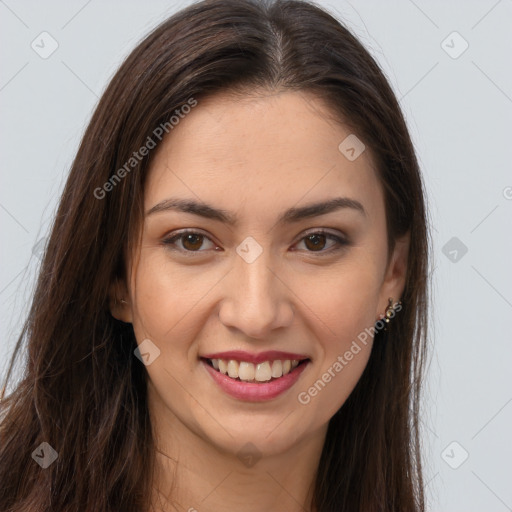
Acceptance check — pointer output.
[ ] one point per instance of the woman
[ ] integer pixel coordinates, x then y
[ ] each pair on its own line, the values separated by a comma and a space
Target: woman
231, 311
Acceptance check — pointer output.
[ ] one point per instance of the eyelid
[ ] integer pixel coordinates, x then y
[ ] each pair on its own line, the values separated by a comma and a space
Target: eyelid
323, 231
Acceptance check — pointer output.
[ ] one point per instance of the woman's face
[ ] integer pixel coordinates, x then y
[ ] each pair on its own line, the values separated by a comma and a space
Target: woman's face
265, 271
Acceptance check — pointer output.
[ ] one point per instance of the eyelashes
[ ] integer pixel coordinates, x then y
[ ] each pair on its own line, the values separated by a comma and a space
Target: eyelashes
195, 239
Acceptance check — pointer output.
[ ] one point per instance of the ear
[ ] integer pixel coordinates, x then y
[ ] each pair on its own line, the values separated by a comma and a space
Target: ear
119, 302
396, 272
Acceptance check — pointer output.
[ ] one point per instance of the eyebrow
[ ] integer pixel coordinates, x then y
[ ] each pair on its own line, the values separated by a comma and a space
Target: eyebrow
290, 216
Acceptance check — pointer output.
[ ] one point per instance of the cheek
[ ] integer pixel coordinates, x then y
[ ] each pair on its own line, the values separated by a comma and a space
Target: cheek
154, 300
165, 296
347, 303
346, 312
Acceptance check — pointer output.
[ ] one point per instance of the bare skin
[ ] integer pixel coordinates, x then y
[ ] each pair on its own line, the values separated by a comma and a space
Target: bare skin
254, 158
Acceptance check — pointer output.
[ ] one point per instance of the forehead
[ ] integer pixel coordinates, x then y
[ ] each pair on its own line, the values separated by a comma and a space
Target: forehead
262, 150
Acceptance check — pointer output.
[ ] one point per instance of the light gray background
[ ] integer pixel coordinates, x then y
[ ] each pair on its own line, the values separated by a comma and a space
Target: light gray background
459, 111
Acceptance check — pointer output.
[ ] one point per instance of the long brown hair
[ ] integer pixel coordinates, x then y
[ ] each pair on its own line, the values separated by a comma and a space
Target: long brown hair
83, 391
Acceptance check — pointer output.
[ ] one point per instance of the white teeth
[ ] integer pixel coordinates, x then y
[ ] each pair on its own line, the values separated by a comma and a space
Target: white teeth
246, 371
277, 369
249, 372
233, 369
223, 366
263, 372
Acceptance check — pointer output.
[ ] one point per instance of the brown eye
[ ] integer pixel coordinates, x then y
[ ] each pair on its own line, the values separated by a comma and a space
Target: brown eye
316, 242
191, 242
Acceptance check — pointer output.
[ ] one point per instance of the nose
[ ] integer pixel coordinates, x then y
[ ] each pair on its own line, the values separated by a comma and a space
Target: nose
256, 299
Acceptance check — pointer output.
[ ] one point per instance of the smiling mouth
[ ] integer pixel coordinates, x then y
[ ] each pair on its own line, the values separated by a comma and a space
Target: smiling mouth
266, 371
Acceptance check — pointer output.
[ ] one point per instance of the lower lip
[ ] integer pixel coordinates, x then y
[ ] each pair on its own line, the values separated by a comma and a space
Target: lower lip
252, 391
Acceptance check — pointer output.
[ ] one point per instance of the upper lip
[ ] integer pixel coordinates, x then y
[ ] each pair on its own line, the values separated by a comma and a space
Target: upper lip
241, 355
